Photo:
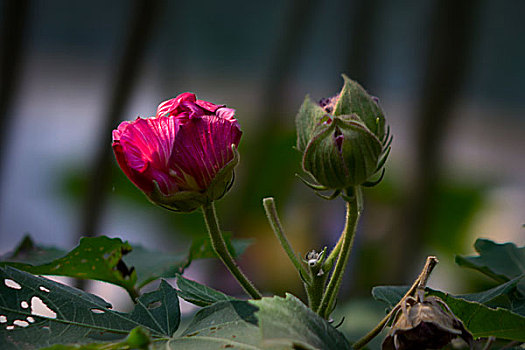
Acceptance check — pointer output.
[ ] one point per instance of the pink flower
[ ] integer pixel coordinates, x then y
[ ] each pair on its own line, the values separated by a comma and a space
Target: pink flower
184, 156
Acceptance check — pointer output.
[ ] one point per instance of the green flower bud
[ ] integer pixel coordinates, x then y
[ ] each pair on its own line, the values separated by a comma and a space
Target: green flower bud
342, 138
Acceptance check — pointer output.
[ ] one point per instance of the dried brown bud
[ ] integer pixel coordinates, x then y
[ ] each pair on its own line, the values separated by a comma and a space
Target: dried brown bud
427, 323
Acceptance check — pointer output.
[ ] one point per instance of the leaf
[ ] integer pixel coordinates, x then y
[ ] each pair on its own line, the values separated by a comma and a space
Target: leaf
268, 323
37, 312
481, 320
230, 324
29, 253
502, 262
98, 258
199, 294
287, 321
152, 265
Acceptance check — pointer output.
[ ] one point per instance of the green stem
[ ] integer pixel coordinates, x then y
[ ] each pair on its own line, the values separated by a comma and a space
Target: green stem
273, 218
329, 262
353, 211
419, 283
314, 290
219, 246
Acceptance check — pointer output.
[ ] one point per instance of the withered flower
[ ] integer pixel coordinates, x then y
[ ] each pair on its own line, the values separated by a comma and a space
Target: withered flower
424, 323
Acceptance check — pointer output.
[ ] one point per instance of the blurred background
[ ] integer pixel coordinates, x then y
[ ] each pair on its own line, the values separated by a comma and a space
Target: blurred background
450, 76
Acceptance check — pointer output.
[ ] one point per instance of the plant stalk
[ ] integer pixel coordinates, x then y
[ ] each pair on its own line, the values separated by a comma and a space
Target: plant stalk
273, 219
220, 248
353, 211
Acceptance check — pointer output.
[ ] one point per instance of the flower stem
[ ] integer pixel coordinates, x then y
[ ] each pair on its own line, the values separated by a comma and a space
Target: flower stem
273, 218
353, 211
219, 246
420, 283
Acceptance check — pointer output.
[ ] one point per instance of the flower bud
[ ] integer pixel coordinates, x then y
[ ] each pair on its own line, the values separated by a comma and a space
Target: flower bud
342, 138
183, 157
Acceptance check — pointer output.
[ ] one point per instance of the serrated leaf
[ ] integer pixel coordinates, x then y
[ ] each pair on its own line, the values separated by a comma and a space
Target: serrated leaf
502, 262
37, 312
199, 294
98, 258
288, 322
479, 319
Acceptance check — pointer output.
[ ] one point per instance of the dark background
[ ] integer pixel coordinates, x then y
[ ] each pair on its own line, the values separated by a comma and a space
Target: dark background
450, 76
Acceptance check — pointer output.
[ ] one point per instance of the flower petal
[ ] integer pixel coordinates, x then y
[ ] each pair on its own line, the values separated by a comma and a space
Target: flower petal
203, 146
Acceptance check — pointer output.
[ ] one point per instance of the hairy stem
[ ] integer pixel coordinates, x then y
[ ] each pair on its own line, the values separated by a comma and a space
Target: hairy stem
219, 246
273, 219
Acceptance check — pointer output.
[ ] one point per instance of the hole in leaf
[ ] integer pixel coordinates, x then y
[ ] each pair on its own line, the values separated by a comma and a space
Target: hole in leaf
40, 309
44, 289
21, 323
24, 304
83, 261
154, 305
30, 319
97, 311
3, 319
12, 284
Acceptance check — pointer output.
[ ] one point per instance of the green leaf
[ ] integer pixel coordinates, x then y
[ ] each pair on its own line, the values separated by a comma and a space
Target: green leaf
230, 324
37, 312
152, 265
502, 262
288, 322
479, 319
98, 258
199, 294
29, 253
269, 323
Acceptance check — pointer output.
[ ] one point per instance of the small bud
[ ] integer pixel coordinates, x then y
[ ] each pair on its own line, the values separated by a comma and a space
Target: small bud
342, 138
424, 324
314, 260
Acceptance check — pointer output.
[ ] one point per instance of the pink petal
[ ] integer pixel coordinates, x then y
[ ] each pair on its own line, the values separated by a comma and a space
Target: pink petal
203, 146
